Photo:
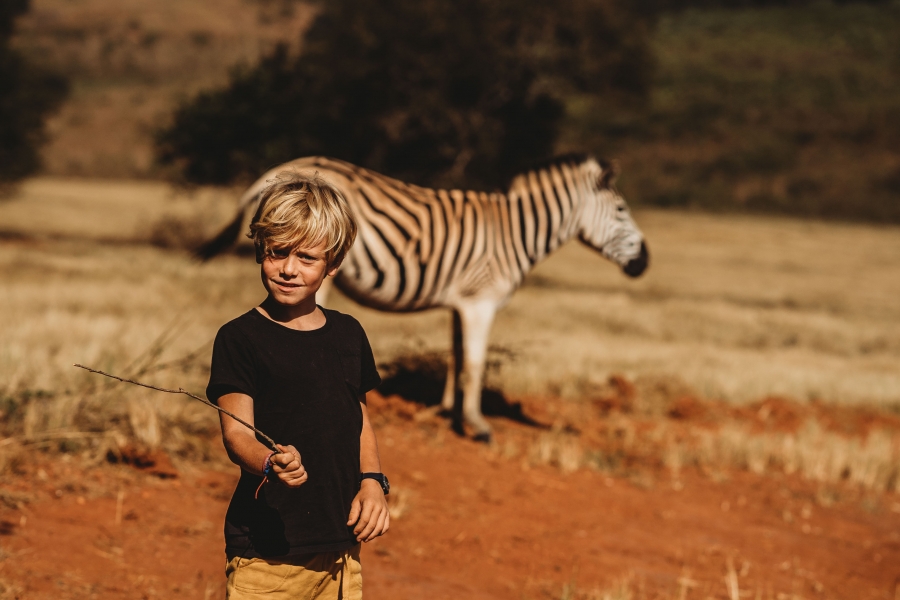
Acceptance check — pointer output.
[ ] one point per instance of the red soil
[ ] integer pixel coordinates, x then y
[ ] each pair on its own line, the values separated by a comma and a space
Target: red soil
475, 525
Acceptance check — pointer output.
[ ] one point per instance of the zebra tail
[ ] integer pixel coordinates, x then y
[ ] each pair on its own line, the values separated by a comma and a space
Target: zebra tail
222, 241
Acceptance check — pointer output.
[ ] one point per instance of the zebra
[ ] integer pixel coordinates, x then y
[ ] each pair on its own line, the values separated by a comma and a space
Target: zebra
419, 248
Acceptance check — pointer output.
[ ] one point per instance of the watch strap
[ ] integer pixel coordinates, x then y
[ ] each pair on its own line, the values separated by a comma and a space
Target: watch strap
380, 478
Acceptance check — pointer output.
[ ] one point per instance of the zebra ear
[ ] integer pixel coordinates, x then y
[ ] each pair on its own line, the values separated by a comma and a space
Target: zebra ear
609, 174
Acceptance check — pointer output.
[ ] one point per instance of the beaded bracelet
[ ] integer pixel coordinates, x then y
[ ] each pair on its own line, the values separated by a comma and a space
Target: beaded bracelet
267, 465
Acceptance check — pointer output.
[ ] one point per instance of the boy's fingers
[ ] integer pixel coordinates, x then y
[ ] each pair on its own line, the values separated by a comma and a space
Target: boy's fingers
380, 527
354, 512
295, 482
286, 454
366, 522
286, 462
364, 517
293, 475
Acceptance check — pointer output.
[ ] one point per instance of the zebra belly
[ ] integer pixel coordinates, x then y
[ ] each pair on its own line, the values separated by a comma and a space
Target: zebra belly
364, 293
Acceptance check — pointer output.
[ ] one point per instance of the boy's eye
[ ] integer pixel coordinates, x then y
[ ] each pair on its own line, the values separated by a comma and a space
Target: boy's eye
280, 252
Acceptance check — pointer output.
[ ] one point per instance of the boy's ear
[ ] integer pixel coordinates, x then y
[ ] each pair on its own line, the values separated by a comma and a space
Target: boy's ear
333, 268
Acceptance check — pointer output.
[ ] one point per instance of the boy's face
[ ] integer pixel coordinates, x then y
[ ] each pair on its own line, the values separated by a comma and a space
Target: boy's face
292, 276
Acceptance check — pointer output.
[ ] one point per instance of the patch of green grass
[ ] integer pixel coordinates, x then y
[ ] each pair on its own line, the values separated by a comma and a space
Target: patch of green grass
792, 110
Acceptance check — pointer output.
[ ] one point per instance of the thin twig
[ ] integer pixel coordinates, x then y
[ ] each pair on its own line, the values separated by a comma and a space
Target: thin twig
270, 443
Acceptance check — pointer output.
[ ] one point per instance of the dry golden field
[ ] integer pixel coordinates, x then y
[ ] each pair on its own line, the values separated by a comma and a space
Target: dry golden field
736, 308
732, 308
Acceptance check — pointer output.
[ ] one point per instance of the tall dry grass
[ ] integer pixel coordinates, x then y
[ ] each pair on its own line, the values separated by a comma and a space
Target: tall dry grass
735, 308
83, 282
871, 462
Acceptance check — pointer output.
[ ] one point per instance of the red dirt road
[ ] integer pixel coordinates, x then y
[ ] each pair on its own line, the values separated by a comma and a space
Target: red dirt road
472, 525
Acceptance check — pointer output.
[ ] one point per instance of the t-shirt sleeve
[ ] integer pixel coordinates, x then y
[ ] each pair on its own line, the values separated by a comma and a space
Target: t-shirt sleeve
232, 369
370, 378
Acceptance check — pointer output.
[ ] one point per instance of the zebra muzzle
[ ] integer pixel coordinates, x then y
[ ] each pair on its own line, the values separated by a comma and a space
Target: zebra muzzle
636, 266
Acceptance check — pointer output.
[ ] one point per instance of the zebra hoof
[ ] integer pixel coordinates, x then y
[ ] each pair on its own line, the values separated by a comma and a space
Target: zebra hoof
484, 437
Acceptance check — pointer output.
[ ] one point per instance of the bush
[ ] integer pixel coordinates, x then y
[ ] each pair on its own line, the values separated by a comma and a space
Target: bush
439, 92
790, 110
27, 95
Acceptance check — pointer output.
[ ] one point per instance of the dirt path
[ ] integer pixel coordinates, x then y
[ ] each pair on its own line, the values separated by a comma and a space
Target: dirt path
471, 525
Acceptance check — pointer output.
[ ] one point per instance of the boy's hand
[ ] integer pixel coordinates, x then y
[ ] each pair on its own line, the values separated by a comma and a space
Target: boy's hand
369, 511
288, 468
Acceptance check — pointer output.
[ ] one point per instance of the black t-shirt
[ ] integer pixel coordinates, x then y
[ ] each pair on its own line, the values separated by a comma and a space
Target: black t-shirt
305, 387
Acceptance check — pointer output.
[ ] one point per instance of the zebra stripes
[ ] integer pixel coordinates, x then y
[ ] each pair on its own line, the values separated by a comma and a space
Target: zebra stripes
419, 248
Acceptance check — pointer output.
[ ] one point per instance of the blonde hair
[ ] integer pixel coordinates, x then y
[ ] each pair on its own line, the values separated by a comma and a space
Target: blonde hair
302, 210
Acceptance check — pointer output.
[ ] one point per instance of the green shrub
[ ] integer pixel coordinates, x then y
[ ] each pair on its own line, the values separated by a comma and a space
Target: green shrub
793, 110
432, 91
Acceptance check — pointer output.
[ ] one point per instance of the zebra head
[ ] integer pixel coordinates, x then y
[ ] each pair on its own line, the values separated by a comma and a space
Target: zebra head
606, 223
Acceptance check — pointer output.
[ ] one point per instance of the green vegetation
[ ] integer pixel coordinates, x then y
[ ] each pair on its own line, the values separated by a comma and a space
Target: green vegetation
459, 93
790, 110
792, 107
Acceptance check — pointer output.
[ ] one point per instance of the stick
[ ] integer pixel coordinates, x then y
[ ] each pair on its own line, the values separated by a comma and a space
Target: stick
270, 443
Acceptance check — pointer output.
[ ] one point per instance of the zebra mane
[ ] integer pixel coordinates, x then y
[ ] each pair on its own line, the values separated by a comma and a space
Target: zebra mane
555, 161
609, 169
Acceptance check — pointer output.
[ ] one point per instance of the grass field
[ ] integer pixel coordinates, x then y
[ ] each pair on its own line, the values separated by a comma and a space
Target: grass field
735, 308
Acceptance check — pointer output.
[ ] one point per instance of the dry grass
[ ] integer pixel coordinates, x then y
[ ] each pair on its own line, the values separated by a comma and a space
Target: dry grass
817, 455
624, 589
77, 294
735, 308
630, 587
871, 462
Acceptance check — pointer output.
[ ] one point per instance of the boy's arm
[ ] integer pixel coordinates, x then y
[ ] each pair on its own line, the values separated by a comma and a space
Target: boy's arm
248, 453
369, 510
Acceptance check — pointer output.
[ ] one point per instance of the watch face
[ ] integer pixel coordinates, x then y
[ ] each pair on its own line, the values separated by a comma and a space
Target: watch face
385, 485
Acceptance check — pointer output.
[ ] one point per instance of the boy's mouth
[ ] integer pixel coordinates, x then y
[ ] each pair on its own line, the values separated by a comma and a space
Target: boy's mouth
284, 284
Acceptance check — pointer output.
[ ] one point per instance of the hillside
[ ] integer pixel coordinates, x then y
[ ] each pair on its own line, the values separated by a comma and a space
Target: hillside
792, 110
131, 62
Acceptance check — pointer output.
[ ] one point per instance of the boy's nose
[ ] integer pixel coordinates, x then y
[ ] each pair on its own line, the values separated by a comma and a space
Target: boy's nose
291, 266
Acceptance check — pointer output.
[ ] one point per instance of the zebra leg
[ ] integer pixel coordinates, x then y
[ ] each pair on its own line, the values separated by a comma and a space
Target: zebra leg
477, 319
454, 364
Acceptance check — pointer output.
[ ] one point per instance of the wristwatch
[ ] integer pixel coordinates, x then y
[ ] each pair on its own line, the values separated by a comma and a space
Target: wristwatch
380, 478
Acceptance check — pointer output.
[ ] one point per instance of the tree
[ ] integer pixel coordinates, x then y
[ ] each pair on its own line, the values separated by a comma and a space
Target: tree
27, 96
435, 91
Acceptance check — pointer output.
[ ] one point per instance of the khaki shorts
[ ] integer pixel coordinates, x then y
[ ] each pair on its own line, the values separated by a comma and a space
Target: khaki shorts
323, 576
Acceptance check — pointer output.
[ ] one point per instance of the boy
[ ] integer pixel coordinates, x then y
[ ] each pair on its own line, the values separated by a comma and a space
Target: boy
299, 373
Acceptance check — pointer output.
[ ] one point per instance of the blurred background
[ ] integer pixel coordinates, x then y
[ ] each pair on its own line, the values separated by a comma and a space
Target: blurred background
781, 106
759, 142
